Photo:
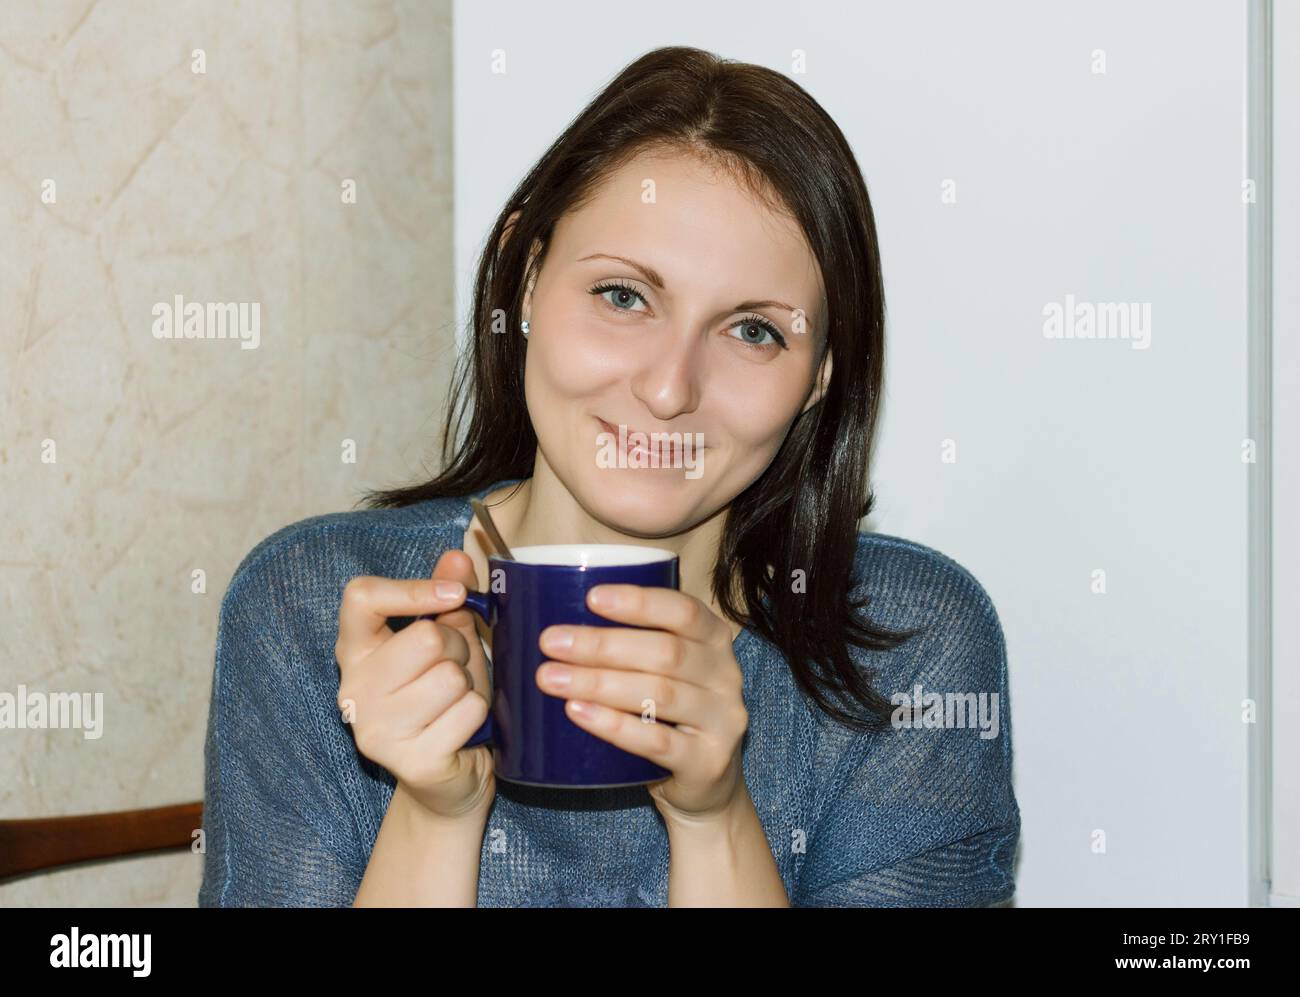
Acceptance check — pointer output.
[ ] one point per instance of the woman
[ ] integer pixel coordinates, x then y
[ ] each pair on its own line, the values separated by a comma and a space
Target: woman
695, 254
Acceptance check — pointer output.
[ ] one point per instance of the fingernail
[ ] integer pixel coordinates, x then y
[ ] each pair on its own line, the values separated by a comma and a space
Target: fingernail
556, 676
559, 639
448, 590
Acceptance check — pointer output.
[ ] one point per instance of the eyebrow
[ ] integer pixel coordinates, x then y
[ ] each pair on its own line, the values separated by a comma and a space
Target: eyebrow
652, 276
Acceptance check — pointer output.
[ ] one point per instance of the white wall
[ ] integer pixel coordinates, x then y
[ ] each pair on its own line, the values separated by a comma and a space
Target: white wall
1072, 455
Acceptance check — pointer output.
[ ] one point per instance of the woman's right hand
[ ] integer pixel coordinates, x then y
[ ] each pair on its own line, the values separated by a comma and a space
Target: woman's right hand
416, 696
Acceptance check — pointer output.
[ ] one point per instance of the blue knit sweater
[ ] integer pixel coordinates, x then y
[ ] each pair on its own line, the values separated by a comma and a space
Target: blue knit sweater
921, 814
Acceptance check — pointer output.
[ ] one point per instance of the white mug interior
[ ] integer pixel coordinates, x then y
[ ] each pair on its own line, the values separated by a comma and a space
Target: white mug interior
590, 555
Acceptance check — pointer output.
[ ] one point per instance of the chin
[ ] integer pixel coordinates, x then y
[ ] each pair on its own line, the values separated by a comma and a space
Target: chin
649, 502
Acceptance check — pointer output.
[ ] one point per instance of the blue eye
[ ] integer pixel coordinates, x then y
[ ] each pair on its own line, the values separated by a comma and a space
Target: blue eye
763, 325
625, 293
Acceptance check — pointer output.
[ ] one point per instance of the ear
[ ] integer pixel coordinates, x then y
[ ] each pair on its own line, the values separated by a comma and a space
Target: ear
823, 381
509, 227
526, 310
532, 256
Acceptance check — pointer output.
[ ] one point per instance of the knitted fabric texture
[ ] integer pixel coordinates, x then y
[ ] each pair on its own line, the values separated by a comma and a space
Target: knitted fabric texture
919, 815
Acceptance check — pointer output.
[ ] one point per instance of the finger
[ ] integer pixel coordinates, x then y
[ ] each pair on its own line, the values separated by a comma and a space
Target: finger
630, 649
415, 650
419, 703
658, 742
644, 695
454, 727
659, 608
457, 566
368, 602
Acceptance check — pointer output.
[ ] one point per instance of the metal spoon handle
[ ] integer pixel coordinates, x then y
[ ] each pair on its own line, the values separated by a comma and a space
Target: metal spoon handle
494, 535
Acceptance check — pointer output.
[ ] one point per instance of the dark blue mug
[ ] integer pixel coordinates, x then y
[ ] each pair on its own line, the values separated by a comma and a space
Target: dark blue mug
533, 740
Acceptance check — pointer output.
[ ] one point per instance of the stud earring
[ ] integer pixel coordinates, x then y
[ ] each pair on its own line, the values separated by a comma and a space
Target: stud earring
524, 326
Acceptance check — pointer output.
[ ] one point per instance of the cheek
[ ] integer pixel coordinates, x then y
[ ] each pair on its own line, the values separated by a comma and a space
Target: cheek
754, 408
578, 353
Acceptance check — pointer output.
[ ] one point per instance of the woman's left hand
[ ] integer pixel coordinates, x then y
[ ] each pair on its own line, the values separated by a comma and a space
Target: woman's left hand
621, 680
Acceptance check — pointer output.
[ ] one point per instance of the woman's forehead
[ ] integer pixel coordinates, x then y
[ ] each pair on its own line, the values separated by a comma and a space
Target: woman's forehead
696, 227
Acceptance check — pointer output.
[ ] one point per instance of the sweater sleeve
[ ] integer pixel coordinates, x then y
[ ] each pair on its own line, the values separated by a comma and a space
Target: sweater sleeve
923, 814
276, 830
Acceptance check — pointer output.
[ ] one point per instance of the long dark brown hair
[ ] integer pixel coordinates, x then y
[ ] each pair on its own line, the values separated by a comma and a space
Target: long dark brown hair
802, 513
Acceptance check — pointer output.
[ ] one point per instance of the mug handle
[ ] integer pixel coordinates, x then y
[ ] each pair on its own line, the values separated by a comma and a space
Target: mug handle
481, 604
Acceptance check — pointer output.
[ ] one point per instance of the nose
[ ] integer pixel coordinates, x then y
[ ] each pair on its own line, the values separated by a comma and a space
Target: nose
668, 384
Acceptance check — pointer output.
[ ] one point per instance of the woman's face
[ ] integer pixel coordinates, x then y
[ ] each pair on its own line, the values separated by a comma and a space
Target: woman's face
722, 353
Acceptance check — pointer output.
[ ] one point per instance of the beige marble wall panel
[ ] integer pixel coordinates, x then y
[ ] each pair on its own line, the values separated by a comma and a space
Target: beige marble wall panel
127, 462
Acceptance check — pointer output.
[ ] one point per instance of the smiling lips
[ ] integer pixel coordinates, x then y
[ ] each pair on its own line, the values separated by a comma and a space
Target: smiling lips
669, 450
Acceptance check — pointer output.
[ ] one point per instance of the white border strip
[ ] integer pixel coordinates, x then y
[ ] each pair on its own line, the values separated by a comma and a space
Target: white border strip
1259, 312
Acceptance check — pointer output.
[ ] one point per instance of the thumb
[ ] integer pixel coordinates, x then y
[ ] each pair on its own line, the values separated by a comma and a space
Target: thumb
456, 566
